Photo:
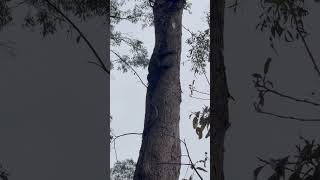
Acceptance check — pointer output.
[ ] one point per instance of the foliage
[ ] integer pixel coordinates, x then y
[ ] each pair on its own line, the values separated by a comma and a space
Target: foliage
140, 13
199, 51
262, 84
200, 121
5, 13
304, 164
123, 170
4, 174
199, 58
282, 19
194, 167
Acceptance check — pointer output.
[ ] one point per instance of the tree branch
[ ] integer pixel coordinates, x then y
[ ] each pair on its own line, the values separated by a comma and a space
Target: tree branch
185, 145
287, 117
304, 41
135, 72
81, 35
287, 96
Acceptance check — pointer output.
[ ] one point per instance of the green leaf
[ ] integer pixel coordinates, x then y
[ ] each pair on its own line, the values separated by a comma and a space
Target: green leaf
267, 65
257, 75
197, 114
261, 98
78, 39
195, 122
199, 132
257, 171
208, 134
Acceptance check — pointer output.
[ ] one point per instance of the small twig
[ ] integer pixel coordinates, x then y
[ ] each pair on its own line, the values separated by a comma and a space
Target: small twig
18, 4
266, 162
186, 147
198, 98
192, 34
315, 66
288, 117
200, 92
122, 18
126, 134
293, 98
95, 63
81, 35
177, 163
135, 72
288, 97
116, 137
205, 75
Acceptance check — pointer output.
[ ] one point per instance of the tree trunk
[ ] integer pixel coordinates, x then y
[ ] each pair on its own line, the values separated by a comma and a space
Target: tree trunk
219, 91
160, 153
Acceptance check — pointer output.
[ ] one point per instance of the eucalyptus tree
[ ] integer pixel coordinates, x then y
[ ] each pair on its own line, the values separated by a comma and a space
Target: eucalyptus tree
160, 140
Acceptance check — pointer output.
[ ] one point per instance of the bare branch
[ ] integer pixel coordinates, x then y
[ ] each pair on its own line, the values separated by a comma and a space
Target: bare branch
126, 134
186, 147
81, 35
315, 66
175, 163
199, 98
287, 96
192, 34
135, 72
288, 117
267, 162
205, 75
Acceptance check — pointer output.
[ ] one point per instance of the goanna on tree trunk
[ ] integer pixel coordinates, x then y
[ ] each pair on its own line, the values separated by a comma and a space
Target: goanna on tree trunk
160, 152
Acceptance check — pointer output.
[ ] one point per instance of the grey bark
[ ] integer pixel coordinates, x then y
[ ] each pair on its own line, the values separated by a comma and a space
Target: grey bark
160, 148
219, 91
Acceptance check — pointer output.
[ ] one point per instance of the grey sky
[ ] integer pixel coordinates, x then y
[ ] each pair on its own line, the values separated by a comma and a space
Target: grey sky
53, 106
128, 96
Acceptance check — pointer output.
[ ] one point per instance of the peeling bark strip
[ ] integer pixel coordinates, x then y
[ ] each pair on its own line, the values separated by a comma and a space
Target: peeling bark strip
219, 91
163, 98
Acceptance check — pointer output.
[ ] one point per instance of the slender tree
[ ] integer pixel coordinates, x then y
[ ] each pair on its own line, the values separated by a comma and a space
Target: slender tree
219, 91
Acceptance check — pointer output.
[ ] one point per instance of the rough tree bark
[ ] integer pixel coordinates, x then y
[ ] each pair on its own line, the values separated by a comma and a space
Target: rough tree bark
219, 91
160, 148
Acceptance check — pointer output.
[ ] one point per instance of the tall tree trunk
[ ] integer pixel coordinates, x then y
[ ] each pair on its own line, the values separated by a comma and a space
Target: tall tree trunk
160, 142
219, 91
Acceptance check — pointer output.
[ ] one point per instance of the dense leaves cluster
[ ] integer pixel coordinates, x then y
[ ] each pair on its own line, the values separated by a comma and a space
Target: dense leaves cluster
41, 14
5, 13
123, 170
200, 120
199, 51
304, 164
4, 174
283, 19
